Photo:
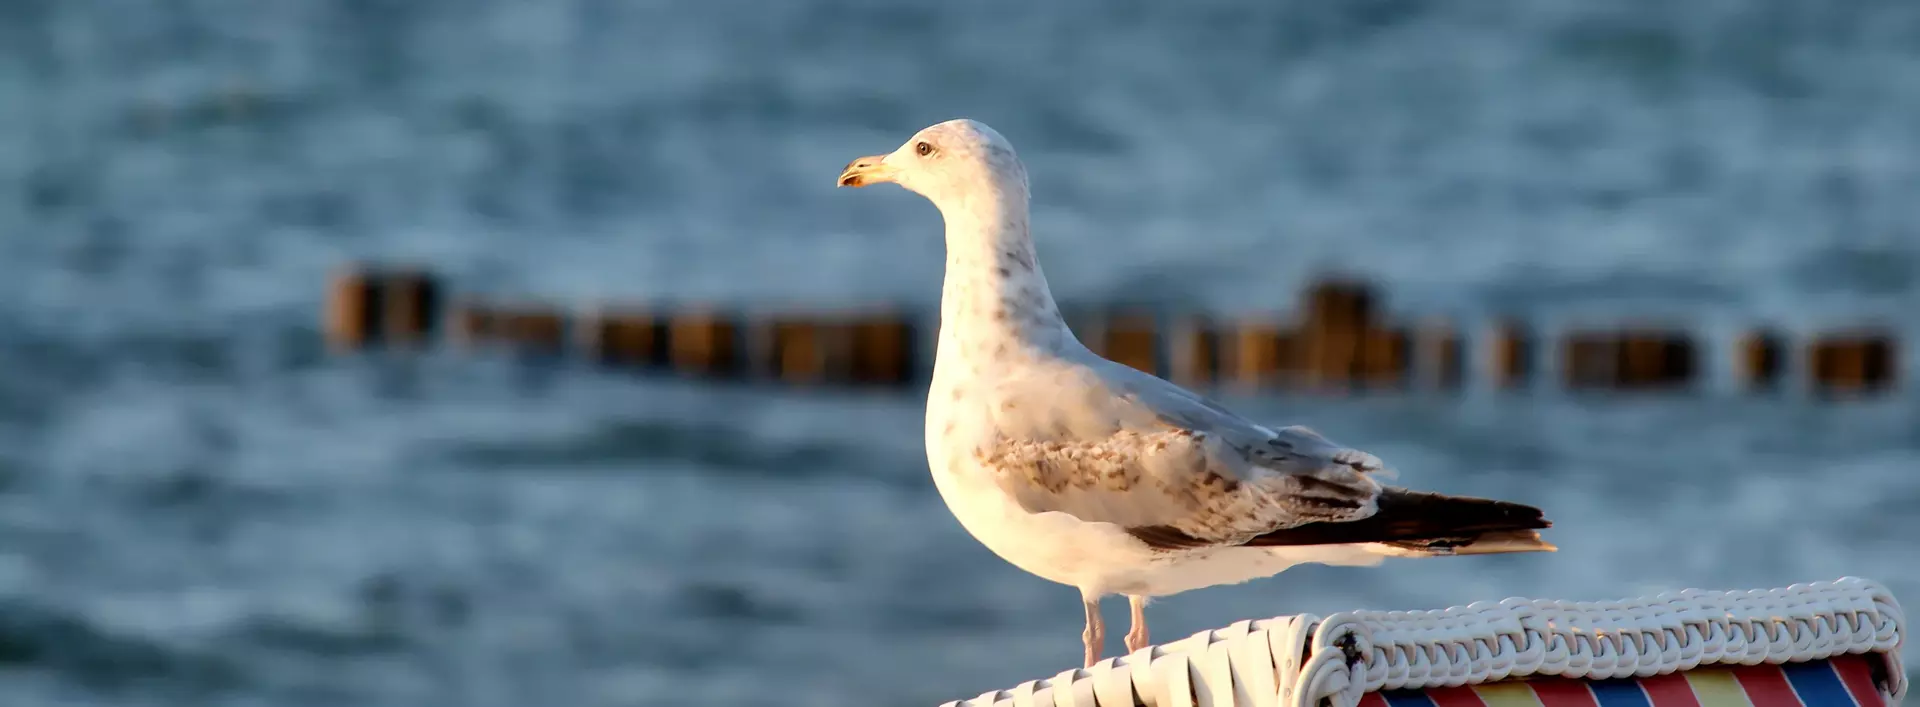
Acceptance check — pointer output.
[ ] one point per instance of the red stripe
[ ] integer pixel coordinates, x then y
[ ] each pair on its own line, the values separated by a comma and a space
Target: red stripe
1670, 690
1462, 696
1373, 699
1857, 675
1767, 686
1564, 693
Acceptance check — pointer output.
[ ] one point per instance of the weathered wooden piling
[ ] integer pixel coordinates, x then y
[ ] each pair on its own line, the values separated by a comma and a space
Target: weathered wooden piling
410, 307
1762, 360
1439, 357
1658, 359
1586, 359
350, 320
1339, 320
1630, 359
1339, 341
622, 338
704, 344
804, 350
1257, 354
1852, 363
1130, 338
1385, 359
1509, 354
1342, 302
882, 350
368, 307
861, 349
1193, 352
528, 329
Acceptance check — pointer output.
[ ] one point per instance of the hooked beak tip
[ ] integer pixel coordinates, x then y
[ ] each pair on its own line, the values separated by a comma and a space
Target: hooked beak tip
864, 171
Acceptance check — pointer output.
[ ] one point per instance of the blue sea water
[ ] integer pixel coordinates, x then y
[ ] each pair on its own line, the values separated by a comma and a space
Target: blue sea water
198, 506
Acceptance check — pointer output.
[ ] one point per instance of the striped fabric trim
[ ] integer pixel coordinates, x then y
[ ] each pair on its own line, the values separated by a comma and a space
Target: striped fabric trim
1845, 681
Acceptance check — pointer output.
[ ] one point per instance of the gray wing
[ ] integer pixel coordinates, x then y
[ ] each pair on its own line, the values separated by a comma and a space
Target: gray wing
1108, 443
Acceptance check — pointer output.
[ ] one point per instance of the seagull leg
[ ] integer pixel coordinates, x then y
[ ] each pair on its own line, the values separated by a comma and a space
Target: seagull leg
1137, 636
1095, 636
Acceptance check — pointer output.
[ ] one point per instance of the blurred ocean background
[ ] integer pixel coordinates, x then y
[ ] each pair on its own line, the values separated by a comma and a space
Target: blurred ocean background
200, 507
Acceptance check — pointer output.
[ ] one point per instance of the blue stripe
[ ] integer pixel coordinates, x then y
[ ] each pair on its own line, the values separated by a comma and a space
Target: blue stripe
1818, 685
1619, 693
1407, 698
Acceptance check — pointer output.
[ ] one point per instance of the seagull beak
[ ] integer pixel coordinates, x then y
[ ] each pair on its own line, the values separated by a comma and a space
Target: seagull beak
866, 170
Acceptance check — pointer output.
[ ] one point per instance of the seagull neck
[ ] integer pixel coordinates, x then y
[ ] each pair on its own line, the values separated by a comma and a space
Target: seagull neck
994, 287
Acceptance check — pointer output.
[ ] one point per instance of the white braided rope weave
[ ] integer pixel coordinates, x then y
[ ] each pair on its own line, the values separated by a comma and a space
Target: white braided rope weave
1300, 661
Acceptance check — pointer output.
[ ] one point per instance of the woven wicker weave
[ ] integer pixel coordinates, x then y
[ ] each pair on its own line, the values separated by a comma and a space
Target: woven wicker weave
1811, 638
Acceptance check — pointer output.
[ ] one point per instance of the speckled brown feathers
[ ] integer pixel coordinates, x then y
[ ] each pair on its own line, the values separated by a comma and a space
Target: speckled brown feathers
1189, 483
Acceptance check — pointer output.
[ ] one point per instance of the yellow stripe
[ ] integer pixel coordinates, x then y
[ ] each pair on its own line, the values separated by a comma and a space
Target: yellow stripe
1717, 688
1507, 694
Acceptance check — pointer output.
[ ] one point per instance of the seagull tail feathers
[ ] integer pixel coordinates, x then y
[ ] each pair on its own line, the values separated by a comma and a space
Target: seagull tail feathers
1417, 524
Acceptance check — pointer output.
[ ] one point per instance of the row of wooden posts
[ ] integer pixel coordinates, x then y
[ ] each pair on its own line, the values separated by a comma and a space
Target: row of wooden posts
1338, 340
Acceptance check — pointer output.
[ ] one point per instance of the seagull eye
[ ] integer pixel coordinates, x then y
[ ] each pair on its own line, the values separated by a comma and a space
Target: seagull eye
924, 149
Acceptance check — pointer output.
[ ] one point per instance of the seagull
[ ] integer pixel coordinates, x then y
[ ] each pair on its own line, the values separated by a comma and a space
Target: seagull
1101, 477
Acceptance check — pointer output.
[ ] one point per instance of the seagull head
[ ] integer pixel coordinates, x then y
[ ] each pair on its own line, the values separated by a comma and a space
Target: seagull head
945, 162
